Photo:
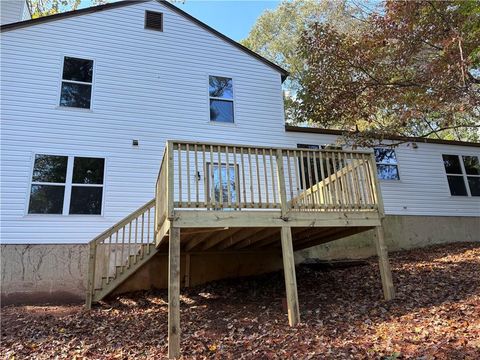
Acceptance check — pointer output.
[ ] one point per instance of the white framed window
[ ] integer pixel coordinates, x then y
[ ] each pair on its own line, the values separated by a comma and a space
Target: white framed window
463, 174
223, 178
220, 90
66, 185
77, 83
387, 166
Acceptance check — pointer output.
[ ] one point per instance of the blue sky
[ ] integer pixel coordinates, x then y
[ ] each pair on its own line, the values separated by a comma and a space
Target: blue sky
233, 18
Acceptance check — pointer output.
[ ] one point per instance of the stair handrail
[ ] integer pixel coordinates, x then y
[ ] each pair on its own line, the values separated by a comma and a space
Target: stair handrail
115, 229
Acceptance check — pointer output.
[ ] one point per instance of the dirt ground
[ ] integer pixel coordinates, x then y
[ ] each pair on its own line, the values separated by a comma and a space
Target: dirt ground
436, 315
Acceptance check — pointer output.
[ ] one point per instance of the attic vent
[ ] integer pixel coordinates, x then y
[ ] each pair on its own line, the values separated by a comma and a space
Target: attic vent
153, 20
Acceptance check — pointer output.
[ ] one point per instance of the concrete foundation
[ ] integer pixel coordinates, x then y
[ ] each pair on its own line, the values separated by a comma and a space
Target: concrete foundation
57, 273
43, 273
401, 233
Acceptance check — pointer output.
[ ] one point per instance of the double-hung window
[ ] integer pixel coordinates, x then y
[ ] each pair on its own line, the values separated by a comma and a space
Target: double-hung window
221, 99
67, 185
387, 167
463, 174
77, 80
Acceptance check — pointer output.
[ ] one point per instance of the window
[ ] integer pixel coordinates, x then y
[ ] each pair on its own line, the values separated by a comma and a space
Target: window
48, 184
87, 186
463, 174
222, 179
153, 20
77, 79
221, 99
66, 185
387, 167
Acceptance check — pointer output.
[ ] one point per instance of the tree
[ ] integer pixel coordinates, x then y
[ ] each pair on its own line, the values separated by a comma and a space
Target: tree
41, 8
277, 33
413, 69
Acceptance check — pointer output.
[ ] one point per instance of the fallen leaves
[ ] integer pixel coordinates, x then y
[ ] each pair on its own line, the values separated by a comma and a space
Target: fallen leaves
436, 315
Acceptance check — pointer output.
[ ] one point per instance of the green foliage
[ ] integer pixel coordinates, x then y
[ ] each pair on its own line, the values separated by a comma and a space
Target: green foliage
277, 33
41, 8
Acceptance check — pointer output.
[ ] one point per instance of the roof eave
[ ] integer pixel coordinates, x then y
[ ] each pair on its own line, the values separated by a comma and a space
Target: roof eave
335, 132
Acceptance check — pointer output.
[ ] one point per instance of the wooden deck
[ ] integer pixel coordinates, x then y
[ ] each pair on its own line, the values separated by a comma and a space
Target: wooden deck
322, 194
222, 197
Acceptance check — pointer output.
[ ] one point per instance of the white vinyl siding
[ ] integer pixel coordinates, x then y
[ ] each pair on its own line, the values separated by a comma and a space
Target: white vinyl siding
136, 94
423, 187
13, 11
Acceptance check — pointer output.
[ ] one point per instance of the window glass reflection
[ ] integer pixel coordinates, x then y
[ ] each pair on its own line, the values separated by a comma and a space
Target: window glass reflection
88, 170
452, 164
221, 111
220, 87
472, 165
77, 69
86, 200
50, 168
76, 95
46, 199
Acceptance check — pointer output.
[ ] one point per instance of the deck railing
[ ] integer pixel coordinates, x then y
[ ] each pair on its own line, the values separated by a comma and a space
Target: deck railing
215, 176
120, 247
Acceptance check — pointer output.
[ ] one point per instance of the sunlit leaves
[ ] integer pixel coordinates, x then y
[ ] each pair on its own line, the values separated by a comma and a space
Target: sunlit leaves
410, 71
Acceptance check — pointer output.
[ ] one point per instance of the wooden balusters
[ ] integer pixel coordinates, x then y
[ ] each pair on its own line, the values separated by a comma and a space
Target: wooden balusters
242, 170
240, 176
212, 190
227, 165
273, 176
236, 182
220, 187
113, 249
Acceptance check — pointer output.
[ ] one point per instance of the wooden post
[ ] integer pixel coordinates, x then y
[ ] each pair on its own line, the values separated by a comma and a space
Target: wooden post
174, 294
91, 274
290, 278
170, 180
385, 272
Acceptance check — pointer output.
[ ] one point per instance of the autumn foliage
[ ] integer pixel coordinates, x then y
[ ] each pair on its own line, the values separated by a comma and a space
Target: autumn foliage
413, 69
436, 315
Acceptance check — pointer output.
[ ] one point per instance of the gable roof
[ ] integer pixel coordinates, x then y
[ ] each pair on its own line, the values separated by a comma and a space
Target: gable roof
291, 128
93, 9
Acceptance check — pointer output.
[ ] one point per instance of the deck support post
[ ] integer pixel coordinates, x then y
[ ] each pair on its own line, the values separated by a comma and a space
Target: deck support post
91, 275
385, 272
290, 278
174, 294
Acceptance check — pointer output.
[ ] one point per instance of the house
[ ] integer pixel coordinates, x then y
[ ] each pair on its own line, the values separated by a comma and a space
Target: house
136, 139
13, 11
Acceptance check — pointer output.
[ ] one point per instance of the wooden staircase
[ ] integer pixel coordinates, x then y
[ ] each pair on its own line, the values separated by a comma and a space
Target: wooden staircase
120, 251
258, 197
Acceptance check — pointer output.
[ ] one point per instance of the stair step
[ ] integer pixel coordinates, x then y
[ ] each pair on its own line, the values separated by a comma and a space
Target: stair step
107, 284
106, 281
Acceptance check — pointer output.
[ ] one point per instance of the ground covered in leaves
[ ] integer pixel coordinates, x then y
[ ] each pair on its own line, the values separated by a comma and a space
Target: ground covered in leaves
436, 315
